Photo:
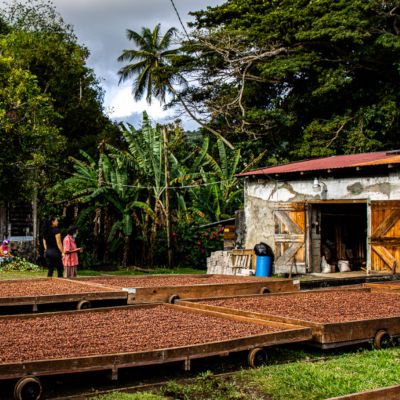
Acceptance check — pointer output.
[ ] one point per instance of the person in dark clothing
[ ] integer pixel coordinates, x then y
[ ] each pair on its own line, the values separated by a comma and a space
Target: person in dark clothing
53, 248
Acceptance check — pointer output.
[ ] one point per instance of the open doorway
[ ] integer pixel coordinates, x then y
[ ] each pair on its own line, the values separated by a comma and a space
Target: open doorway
339, 234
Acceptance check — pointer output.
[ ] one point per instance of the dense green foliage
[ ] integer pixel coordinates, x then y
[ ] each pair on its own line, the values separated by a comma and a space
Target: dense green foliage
50, 102
18, 264
123, 192
280, 79
29, 135
299, 77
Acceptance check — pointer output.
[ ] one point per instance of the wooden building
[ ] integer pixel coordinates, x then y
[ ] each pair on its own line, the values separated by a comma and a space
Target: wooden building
334, 209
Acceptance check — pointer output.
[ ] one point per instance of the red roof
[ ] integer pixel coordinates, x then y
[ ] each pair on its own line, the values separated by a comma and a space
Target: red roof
334, 162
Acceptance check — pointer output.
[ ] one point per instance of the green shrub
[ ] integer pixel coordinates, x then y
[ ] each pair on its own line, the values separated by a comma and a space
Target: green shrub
18, 264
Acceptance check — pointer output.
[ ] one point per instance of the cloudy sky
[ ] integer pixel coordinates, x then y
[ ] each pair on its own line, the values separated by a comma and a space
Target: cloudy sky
101, 26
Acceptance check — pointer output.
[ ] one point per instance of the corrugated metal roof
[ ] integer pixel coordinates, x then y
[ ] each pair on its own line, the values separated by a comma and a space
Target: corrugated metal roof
334, 162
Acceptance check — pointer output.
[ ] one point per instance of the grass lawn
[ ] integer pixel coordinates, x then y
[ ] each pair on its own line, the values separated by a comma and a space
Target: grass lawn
338, 375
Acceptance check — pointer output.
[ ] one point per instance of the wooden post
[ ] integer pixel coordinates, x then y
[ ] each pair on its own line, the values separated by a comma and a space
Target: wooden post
97, 230
34, 220
369, 235
167, 205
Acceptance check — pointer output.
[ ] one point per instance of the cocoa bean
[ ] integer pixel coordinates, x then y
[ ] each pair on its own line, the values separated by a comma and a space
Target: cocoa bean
111, 331
44, 287
320, 306
171, 280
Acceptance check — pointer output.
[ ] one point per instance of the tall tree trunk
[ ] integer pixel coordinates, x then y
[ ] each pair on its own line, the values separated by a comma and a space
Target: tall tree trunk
97, 231
125, 252
167, 208
153, 232
35, 220
107, 229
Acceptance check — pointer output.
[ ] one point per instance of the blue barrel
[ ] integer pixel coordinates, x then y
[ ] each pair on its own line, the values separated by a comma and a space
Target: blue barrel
263, 266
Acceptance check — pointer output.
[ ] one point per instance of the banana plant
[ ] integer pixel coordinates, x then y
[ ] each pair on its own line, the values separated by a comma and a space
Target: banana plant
112, 191
221, 192
144, 154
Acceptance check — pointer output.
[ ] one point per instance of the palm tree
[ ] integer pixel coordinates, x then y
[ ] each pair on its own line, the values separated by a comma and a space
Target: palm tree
152, 69
153, 58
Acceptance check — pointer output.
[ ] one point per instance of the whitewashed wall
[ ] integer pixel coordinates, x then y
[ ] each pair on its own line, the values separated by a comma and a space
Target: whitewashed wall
260, 194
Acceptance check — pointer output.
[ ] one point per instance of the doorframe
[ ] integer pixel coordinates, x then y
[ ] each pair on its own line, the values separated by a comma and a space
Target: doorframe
308, 206
369, 234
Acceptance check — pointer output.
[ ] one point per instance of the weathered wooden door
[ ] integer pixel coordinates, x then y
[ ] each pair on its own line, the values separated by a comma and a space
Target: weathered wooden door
385, 235
289, 238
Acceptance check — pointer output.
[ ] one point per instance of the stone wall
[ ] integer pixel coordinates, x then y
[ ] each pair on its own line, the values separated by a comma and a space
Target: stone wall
220, 262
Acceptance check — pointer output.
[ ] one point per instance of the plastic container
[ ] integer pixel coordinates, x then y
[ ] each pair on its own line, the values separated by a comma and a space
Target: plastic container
263, 266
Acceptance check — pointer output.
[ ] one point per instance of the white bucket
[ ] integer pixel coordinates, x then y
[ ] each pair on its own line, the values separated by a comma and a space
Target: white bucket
344, 266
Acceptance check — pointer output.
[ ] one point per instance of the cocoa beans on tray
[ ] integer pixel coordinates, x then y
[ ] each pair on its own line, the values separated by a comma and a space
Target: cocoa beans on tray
44, 287
110, 331
320, 306
170, 280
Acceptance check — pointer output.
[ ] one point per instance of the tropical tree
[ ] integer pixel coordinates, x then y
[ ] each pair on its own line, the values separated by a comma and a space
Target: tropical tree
29, 136
113, 191
220, 193
301, 78
144, 154
40, 41
151, 67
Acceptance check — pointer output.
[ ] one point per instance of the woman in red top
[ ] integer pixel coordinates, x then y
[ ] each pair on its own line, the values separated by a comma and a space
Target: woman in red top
70, 259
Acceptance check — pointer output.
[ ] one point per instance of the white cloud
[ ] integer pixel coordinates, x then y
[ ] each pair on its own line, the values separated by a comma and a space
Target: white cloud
119, 103
101, 26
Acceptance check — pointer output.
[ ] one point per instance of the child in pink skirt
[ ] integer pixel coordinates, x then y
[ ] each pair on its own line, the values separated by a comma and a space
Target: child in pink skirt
70, 259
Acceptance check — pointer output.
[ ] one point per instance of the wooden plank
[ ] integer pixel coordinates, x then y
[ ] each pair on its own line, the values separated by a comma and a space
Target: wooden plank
343, 201
289, 238
289, 254
392, 204
308, 239
162, 294
288, 206
288, 222
88, 283
104, 293
369, 234
386, 256
386, 224
389, 284
183, 306
240, 252
386, 241
387, 393
87, 310
62, 298
272, 320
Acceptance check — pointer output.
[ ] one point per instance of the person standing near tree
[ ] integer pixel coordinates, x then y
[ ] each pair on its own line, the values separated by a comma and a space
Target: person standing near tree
70, 259
53, 247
